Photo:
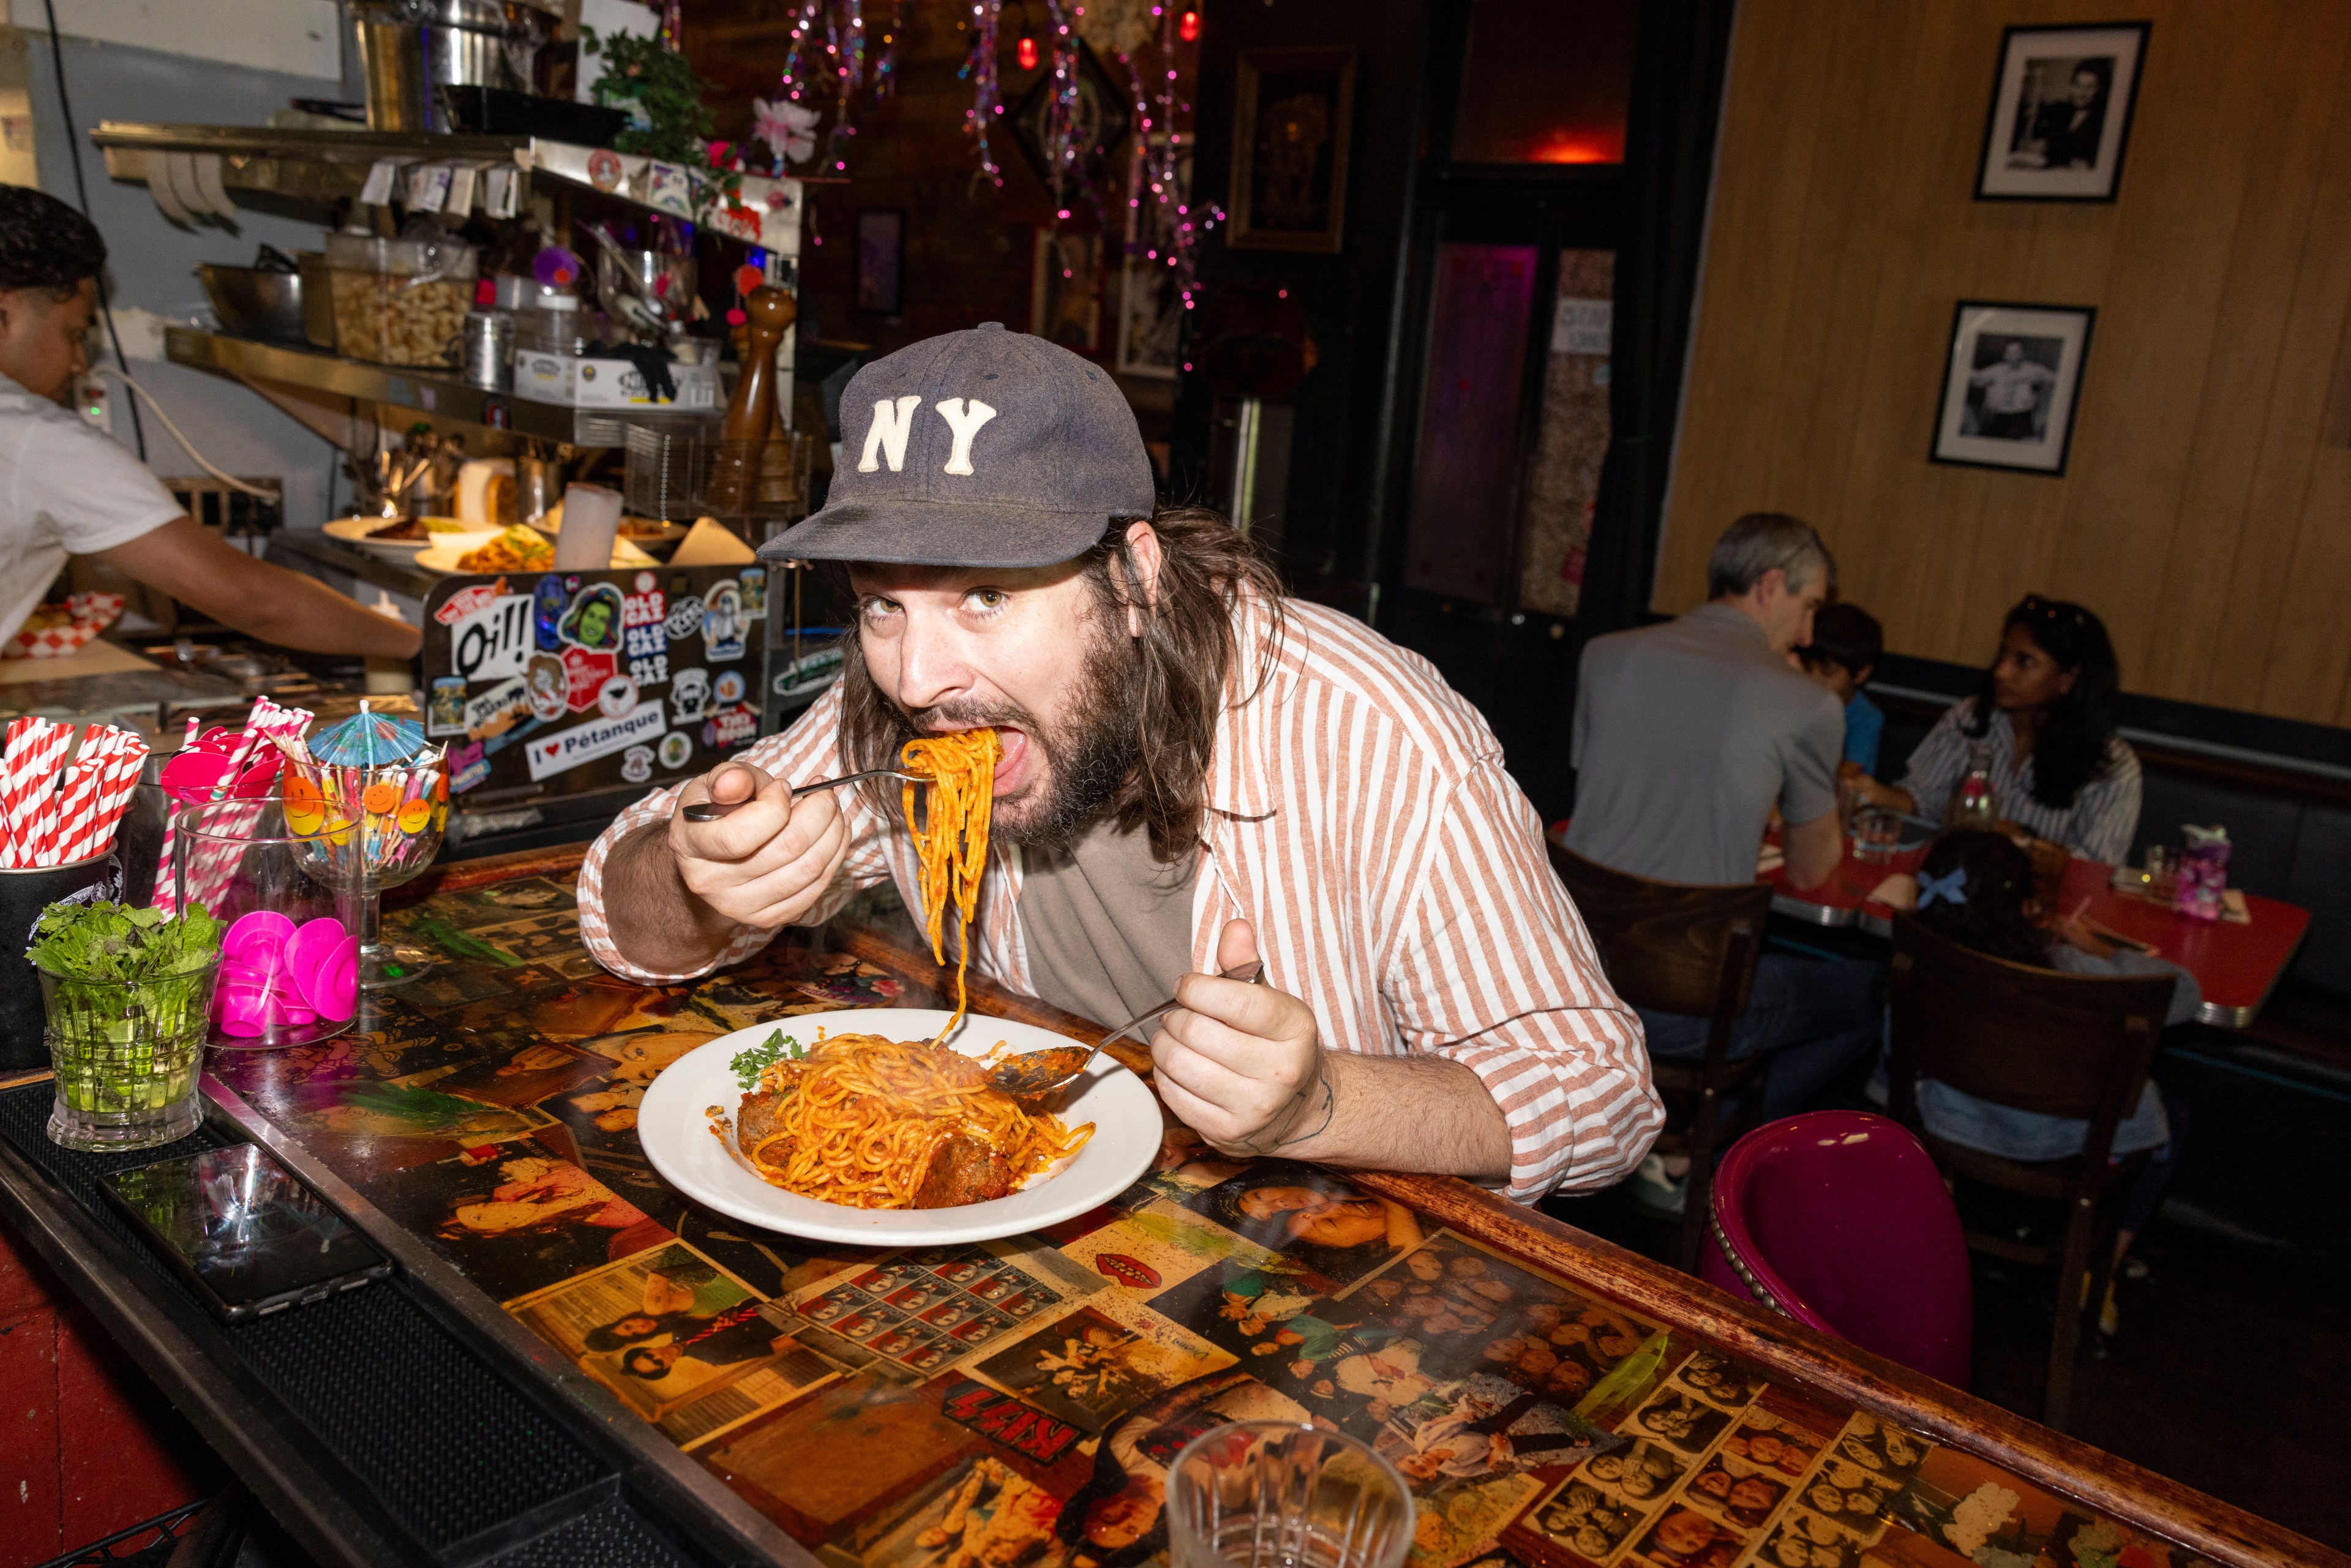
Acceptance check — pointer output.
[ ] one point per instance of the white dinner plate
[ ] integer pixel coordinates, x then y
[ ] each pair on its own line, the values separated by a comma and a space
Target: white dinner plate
675, 1129
355, 531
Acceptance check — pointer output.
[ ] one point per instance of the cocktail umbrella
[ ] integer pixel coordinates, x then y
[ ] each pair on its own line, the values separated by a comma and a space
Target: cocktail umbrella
369, 740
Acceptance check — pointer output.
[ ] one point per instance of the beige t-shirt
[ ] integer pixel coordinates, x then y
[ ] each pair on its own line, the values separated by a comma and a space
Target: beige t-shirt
1109, 928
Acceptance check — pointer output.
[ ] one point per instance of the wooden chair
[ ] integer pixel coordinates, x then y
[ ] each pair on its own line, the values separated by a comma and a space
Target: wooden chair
2063, 1045
1674, 948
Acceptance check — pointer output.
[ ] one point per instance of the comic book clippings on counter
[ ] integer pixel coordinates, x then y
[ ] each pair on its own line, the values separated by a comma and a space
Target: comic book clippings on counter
548, 684
1017, 1403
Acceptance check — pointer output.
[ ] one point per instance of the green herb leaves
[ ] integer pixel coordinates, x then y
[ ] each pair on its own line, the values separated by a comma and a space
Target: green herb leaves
749, 1064
129, 947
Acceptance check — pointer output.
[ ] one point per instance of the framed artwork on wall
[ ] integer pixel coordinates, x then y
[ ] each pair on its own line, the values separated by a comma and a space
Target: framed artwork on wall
881, 260
2011, 384
2061, 111
1292, 124
1065, 289
1101, 114
1150, 301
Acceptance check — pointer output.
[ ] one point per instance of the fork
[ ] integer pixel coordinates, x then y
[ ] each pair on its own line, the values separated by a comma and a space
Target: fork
1054, 1069
711, 810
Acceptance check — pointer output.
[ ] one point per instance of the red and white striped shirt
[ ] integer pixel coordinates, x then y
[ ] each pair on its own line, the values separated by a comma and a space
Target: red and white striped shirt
1359, 816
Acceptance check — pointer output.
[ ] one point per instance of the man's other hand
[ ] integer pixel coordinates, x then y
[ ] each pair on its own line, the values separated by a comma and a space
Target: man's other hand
1242, 1064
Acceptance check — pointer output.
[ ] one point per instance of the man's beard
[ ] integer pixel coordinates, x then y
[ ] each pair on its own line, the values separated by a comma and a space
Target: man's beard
1088, 756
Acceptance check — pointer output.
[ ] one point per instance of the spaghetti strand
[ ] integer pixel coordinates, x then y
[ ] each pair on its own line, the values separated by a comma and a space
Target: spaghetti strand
951, 839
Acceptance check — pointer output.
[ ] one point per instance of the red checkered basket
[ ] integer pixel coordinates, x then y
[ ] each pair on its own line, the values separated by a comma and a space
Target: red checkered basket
90, 613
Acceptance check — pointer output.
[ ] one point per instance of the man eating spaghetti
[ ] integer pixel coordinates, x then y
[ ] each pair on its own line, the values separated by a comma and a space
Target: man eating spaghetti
1196, 773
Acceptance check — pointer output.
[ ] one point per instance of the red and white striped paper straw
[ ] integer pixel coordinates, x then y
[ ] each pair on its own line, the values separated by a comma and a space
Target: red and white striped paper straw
37, 752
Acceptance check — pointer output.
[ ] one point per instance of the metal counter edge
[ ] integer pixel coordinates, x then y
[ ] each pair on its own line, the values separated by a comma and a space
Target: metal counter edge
665, 1476
328, 1515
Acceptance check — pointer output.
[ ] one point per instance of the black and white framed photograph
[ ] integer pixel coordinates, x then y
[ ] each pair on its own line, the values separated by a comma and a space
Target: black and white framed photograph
1065, 297
881, 260
2011, 384
1151, 296
2060, 113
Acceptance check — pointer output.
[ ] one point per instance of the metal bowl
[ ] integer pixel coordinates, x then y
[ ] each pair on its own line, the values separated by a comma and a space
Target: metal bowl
252, 303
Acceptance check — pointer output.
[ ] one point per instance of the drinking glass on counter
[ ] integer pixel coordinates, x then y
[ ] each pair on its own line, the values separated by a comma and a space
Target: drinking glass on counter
402, 808
285, 882
1285, 1494
1876, 834
2162, 862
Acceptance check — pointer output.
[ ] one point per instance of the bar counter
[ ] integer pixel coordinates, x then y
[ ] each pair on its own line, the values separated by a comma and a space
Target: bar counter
1012, 1403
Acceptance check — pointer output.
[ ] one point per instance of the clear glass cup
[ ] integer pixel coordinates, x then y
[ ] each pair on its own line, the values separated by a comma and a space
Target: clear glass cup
402, 809
1285, 1494
127, 1057
1876, 834
2162, 862
286, 886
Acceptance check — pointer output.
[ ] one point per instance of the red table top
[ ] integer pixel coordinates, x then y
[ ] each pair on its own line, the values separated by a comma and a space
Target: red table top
2235, 965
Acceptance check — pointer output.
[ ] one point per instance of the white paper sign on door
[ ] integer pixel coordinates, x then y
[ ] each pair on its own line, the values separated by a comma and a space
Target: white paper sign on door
491, 643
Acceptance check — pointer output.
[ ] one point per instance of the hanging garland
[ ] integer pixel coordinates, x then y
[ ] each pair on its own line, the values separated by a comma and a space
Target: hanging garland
1156, 173
986, 91
831, 61
841, 72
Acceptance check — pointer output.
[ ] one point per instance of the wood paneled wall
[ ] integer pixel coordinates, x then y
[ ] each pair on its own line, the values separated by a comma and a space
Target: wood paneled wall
2206, 511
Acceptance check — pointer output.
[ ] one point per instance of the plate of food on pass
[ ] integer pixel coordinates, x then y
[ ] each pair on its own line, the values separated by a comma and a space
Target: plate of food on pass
403, 539
882, 1126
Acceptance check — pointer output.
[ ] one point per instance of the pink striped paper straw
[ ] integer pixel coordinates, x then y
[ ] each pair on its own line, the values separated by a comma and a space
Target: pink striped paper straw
33, 798
16, 790
76, 801
119, 770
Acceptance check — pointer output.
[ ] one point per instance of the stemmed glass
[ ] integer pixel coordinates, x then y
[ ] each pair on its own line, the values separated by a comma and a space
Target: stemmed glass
402, 809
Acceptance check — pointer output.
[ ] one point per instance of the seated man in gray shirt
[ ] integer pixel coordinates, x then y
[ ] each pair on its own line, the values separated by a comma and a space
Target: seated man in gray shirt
1686, 736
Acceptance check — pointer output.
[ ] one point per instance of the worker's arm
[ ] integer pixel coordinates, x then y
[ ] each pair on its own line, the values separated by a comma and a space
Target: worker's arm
197, 567
1813, 849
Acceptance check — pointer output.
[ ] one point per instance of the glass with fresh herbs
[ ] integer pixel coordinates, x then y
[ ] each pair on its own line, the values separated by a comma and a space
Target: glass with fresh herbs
127, 993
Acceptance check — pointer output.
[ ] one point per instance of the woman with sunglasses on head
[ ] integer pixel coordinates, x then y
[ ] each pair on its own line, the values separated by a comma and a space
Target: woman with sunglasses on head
2046, 710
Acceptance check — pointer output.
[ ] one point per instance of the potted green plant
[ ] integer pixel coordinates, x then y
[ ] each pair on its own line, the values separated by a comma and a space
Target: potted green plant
127, 993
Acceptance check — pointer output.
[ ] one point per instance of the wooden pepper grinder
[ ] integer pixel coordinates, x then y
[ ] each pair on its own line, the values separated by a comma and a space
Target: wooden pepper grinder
753, 412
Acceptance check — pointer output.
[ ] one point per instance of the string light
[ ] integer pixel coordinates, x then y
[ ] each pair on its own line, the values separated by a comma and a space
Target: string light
1187, 27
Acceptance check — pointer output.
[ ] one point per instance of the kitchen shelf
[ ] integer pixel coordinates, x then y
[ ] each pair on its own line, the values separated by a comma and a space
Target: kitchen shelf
325, 166
443, 395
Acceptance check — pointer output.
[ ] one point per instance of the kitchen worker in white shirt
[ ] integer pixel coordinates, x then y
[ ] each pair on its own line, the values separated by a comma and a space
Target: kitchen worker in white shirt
68, 489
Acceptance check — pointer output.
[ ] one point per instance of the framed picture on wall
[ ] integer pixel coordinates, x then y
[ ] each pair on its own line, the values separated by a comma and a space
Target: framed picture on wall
1150, 298
1101, 114
1065, 289
2060, 113
881, 260
2010, 383
1292, 123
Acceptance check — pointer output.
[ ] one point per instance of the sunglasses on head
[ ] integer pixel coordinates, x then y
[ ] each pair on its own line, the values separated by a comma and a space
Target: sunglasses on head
2036, 608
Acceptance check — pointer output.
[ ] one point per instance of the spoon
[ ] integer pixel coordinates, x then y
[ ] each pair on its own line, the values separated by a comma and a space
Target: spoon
1035, 1073
711, 810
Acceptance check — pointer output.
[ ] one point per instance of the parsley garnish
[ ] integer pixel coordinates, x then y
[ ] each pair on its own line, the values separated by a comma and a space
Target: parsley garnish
749, 1064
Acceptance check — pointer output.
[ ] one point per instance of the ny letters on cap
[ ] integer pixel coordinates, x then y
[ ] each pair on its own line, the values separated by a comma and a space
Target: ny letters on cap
978, 448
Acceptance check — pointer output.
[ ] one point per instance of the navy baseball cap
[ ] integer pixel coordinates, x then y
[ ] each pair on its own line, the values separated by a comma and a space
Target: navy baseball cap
981, 448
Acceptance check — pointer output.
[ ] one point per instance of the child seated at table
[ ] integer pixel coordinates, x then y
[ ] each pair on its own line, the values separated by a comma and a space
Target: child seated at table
1976, 888
1847, 641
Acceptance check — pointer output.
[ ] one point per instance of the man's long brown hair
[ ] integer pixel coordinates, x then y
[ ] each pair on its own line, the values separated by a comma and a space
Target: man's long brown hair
1184, 660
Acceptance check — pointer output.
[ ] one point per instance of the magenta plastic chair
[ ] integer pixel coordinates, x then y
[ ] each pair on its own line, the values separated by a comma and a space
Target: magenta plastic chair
1841, 1222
